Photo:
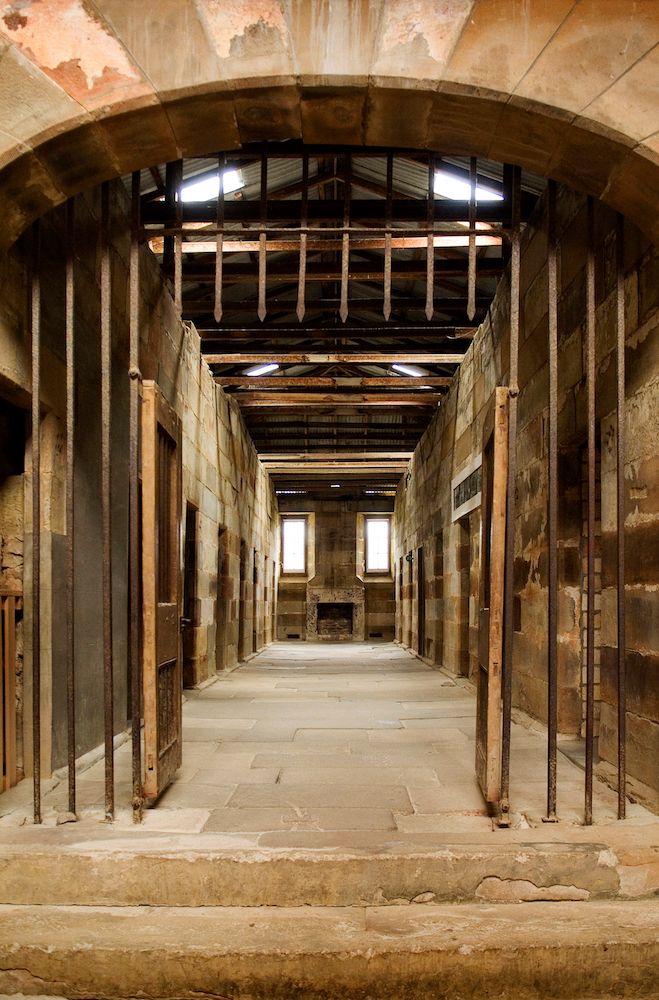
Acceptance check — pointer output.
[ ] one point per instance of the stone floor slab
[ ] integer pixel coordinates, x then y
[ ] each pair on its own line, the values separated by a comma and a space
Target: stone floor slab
315, 796
234, 776
424, 776
264, 819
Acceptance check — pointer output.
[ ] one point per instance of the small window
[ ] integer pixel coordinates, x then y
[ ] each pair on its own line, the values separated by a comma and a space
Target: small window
294, 545
377, 545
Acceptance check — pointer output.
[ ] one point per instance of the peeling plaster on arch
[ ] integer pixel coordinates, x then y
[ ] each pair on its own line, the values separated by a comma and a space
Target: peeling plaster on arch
434, 25
74, 48
227, 25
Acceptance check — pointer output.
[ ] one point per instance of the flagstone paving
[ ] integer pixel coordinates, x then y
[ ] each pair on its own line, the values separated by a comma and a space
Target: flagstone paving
354, 739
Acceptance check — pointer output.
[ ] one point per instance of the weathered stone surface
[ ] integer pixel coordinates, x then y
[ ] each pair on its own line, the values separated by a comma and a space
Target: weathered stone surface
580, 950
500, 80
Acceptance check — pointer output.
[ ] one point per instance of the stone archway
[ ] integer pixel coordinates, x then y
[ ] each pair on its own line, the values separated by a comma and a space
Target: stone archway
88, 92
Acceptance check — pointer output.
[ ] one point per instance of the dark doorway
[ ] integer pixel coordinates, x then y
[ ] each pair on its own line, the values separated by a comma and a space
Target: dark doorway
222, 601
242, 602
255, 602
189, 596
421, 603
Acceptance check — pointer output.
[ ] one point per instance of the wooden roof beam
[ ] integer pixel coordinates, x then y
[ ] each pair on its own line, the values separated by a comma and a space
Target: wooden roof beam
372, 358
264, 399
394, 382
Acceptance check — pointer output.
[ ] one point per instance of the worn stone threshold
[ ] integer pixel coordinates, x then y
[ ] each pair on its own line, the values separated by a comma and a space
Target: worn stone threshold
88, 864
533, 950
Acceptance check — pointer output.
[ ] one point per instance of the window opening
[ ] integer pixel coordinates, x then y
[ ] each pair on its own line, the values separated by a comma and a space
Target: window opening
377, 545
294, 545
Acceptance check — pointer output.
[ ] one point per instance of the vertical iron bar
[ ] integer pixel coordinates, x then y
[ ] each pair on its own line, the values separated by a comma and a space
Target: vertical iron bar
106, 500
170, 216
262, 236
430, 252
620, 456
590, 557
387, 238
509, 579
219, 248
471, 283
35, 329
345, 249
304, 222
178, 239
552, 502
134, 499
70, 450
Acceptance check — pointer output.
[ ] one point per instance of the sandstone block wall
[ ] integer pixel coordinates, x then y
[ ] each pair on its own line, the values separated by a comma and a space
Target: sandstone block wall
336, 573
223, 483
423, 503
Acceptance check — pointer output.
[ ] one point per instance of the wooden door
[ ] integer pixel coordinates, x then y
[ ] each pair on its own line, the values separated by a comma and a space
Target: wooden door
161, 589
490, 626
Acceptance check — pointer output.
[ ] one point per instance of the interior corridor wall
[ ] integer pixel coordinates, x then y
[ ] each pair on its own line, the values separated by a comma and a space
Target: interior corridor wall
222, 477
454, 439
336, 570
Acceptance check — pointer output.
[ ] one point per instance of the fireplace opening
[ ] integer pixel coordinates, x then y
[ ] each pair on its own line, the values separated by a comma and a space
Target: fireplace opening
335, 621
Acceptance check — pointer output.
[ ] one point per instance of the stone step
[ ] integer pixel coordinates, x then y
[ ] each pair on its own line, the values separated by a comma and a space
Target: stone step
199, 870
528, 951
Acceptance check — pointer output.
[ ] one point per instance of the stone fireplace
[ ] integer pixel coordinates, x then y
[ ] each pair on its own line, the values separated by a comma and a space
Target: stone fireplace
335, 615
335, 620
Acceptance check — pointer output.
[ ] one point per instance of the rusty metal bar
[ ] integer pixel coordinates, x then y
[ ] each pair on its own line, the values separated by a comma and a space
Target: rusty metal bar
471, 277
70, 508
302, 278
170, 216
509, 580
592, 500
219, 249
453, 304
135, 554
620, 470
386, 309
178, 239
552, 504
35, 330
430, 241
262, 310
345, 248
106, 498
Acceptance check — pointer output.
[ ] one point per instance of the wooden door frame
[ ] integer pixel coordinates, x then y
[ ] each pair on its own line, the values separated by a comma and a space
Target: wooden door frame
491, 596
157, 411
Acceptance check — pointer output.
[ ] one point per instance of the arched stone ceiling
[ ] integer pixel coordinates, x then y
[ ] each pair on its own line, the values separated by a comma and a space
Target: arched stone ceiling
90, 89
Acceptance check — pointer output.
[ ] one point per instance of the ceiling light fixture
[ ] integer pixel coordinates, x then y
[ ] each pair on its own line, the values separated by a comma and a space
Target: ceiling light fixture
406, 370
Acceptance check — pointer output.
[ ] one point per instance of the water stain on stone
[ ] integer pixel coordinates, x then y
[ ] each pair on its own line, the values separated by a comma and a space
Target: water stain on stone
257, 40
15, 21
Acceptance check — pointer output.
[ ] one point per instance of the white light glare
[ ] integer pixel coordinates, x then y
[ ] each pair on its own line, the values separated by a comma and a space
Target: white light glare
263, 369
335, 486
452, 187
406, 370
209, 188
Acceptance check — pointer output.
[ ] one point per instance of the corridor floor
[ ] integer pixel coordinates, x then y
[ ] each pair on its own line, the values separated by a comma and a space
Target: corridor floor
312, 745
315, 744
